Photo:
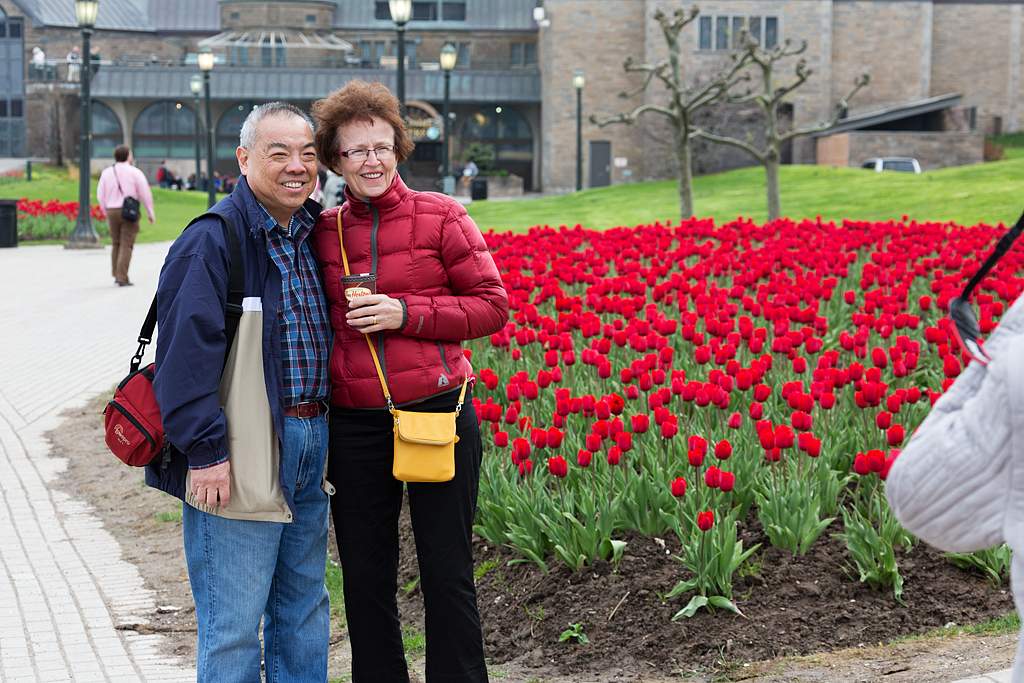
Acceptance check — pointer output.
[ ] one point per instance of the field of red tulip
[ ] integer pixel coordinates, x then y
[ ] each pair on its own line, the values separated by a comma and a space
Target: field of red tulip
39, 220
670, 379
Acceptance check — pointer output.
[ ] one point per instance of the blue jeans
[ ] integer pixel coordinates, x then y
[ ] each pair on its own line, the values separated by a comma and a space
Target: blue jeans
243, 570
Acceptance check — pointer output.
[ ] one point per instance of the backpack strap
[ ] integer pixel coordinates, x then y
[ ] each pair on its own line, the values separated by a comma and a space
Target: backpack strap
236, 292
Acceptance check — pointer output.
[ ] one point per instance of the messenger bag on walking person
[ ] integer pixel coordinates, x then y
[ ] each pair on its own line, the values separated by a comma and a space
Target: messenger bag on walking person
134, 429
130, 207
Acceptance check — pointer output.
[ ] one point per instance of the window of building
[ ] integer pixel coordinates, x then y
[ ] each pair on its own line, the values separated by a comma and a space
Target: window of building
235, 16
163, 129
310, 18
12, 87
463, 58
17, 108
508, 132
230, 127
722, 32
106, 130
523, 54
425, 10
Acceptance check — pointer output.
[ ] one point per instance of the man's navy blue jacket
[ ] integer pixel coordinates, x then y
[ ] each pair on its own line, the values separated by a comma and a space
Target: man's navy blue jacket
190, 347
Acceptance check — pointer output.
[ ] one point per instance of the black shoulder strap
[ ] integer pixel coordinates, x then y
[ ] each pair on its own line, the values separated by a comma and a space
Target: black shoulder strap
236, 292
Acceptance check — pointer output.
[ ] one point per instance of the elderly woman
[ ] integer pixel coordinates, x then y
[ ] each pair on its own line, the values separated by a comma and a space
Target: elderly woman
436, 286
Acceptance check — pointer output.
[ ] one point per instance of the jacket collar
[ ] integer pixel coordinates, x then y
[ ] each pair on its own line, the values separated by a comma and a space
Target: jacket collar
392, 197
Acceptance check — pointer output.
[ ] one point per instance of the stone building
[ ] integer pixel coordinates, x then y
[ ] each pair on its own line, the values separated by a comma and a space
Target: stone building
939, 69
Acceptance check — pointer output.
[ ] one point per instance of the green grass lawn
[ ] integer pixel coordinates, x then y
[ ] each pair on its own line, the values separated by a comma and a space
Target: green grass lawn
984, 193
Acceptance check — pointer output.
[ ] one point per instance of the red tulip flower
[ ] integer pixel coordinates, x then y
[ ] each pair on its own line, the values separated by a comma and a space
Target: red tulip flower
669, 429
695, 457
558, 467
501, 439
712, 477
894, 435
735, 421
761, 393
767, 438
555, 437
583, 458
679, 487
784, 437
951, 366
705, 520
723, 449
640, 423
756, 411
593, 442
884, 420
726, 482
861, 465
624, 440
614, 455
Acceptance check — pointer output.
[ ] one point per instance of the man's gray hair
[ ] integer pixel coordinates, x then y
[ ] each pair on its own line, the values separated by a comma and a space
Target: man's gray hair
250, 129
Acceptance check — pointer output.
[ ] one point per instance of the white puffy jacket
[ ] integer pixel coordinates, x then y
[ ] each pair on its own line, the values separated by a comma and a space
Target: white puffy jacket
959, 484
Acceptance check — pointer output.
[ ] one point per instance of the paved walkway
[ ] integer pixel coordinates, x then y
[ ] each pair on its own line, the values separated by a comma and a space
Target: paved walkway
66, 335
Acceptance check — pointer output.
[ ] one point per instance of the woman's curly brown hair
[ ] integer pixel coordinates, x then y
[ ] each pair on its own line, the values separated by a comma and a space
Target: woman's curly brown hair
357, 101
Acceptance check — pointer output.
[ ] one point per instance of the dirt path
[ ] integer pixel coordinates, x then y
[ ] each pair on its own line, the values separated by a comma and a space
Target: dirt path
147, 525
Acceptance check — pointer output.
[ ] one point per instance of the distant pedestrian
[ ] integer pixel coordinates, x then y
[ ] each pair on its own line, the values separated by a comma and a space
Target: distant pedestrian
469, 173
162, 176
74, 60
38, 62
117, 182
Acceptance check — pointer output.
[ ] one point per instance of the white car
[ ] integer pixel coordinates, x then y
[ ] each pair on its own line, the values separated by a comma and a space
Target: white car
905, 164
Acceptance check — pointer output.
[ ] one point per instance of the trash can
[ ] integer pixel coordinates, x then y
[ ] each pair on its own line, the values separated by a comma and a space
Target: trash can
478, 189
8, 223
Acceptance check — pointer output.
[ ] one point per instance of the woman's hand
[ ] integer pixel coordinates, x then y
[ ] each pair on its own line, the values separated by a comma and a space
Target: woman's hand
374, 313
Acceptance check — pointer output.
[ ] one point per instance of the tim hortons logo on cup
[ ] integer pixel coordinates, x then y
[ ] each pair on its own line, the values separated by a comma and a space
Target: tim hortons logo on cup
356, 292
120, 435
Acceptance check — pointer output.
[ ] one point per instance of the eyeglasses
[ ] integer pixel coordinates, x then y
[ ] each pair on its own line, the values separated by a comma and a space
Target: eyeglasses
383, 152
965, 323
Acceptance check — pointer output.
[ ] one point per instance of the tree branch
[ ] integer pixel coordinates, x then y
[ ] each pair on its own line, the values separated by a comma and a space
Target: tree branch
841, 106
726, 140
631, 117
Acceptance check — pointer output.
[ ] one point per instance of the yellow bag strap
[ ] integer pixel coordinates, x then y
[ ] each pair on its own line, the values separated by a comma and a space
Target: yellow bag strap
373, 350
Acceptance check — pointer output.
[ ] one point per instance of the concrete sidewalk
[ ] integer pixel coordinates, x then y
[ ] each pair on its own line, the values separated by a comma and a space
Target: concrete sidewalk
67, 334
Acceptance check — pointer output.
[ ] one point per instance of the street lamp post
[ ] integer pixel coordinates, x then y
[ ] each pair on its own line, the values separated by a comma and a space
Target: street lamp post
448, 57
400, 13
578, 79
206, 65
84, 235
195, 84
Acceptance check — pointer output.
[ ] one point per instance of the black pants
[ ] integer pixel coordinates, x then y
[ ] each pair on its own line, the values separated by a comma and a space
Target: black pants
366, 508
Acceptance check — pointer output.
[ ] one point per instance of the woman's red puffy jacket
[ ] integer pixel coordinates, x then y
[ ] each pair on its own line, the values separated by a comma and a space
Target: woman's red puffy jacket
427, 252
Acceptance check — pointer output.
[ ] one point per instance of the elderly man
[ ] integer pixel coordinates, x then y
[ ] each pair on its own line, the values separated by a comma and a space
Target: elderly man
249, 428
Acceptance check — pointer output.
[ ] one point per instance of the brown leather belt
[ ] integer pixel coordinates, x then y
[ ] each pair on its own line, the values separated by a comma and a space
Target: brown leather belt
307, 409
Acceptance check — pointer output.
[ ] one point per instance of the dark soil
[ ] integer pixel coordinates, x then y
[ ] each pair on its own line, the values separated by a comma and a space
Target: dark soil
793, 605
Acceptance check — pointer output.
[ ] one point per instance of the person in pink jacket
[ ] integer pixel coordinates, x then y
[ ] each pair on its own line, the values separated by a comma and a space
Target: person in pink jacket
117, 182
436, 286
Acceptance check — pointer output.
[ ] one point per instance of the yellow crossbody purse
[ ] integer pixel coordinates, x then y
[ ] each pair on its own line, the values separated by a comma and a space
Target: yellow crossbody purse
424, 442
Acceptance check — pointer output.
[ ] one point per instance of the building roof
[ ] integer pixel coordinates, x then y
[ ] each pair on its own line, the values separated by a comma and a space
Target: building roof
114, 15
189, 16
297, 84
895, 113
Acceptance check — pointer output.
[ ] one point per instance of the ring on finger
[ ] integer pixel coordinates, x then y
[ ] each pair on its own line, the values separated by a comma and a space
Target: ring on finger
374, 320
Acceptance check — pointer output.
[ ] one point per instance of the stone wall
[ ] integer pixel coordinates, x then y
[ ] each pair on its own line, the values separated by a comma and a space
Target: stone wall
932, 150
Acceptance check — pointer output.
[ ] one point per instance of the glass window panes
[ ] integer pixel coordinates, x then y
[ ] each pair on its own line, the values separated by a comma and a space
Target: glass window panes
488, 122
755, 28
266, 55
514, 151
230, 126
705, 33
463, 58
3, 108
530, 54
16, 108
379, 49
3, 29
381, 11
453, 11
737, 28
721, 33
104, 122
310, 18
164, 129
15, 29
771, 32
424, 11
4, 137
517, 54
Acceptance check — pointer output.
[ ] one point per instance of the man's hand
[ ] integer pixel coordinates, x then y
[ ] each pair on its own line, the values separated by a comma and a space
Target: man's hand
212, 484
151, 219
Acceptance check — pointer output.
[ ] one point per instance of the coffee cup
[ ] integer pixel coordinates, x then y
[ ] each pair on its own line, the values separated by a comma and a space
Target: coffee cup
357, 286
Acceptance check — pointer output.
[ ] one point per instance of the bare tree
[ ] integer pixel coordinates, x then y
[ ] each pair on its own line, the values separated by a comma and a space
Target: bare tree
683, 100
769, 98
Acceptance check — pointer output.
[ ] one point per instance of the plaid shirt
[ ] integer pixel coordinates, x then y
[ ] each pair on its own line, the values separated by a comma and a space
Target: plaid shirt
305, 327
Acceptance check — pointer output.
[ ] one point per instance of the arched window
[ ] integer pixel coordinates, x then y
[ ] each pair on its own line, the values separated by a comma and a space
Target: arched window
509, 133
12, 86
106, 131
164, 129
230, 126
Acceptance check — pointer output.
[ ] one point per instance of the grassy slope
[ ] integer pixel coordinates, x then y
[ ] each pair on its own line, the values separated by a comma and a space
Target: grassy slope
986, 193
968, 194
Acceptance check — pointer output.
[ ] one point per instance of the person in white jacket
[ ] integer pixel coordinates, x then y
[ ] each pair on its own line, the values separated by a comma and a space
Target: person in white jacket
959, 483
